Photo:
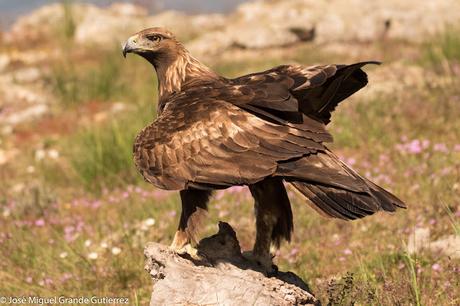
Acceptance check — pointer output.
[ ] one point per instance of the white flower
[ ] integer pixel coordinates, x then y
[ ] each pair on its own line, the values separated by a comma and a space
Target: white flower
6, 212
40, 154
92, 255
87, 243
104, 245
116, 251
149, 222
30, 169
146, 224
19, 187
63, 255
54, 154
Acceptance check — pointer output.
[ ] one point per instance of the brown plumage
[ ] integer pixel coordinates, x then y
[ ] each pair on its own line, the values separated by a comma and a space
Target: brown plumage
258, 130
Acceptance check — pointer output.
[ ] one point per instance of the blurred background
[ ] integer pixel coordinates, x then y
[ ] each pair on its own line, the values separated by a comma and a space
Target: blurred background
75, 215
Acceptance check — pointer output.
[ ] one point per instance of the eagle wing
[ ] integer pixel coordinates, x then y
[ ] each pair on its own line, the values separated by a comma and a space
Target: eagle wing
290, 91
211, 143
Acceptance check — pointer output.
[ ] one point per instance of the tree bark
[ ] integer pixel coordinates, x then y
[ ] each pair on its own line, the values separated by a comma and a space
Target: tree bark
221, 277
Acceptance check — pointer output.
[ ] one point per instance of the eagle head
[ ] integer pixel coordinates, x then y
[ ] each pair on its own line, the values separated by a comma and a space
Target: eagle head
151, 43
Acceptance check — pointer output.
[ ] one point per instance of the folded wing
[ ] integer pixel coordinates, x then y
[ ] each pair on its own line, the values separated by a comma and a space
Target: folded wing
208, 143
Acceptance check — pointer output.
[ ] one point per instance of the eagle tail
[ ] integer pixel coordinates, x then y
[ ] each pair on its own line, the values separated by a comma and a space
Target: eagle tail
336, 190
347, 205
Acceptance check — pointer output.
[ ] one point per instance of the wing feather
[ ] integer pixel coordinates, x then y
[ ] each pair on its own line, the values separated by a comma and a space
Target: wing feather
226, 146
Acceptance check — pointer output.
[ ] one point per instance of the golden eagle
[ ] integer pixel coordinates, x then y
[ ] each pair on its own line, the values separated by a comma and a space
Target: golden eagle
260, 130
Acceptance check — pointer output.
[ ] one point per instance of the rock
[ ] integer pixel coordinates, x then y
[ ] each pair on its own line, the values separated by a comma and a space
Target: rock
449, 246
35, 26
223, 277
103, 27
117, 28
420, 240
128, 9
254, 24
26, 114
396, 77
22, 99
106, 27
264, 24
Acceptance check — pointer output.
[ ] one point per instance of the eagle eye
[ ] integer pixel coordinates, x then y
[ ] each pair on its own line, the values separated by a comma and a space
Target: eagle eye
154, 38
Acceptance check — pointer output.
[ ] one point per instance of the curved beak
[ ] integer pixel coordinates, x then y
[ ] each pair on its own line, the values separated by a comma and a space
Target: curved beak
130, 45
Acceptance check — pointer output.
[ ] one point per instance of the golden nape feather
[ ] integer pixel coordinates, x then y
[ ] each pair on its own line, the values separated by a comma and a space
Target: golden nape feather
259, 130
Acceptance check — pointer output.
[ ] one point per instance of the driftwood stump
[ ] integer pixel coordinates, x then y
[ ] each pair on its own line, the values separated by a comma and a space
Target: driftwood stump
222, 277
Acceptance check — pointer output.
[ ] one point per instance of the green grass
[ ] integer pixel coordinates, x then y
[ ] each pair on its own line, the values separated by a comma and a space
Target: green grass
69, 25
74, 85
443, 51
411, 262
103, 156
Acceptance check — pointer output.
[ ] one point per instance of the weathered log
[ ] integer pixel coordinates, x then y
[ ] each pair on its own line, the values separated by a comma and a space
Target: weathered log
222, 277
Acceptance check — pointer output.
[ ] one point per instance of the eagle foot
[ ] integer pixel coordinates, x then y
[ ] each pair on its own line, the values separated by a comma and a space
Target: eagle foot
264, 262
189, 250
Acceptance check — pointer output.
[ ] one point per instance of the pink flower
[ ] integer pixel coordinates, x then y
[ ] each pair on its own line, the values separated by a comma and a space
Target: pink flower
457, 213
384, 158
457, 147
96, 204
39, 222
294, 251
351, 161
138, 189
65, 277
414, 147
347, 252
47, 281
440, 147
425, 143
172, 213
29, 279
436, 267
446, 170
237, 189
219, 195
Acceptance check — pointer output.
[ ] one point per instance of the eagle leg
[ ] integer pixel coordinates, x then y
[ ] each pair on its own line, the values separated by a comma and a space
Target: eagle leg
194, 206
273, 220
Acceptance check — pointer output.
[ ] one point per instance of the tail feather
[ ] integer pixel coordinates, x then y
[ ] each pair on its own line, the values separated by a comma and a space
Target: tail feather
355, 197
347, 205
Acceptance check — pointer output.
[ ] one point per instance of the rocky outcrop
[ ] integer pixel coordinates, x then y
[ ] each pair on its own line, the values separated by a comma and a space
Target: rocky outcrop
223, 277
255, 24
103, 27
265, 24
22, 96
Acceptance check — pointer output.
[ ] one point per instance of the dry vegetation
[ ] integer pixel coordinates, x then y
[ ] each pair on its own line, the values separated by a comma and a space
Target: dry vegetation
75, 215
